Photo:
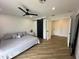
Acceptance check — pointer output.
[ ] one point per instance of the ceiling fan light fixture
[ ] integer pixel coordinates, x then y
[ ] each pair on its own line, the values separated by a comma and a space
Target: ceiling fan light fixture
53, 8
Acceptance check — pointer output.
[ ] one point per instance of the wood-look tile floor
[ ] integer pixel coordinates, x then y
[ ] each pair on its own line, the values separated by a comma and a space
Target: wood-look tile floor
55, 48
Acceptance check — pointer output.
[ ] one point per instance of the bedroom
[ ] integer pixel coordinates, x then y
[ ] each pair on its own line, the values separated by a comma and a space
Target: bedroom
40, 19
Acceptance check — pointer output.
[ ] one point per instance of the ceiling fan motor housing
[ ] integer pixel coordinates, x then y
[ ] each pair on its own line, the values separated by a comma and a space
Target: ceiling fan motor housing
42, 1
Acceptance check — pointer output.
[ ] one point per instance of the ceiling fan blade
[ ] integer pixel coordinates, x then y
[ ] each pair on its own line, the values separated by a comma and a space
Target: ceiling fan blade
24, 15
26, 11
34, 14
30, 14
22, 9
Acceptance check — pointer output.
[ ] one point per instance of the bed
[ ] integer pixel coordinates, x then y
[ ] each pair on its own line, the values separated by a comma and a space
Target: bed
12, 47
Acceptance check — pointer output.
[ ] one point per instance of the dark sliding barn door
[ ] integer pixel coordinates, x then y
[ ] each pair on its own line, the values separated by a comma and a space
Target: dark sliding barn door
40, 28
75, 40
76, 36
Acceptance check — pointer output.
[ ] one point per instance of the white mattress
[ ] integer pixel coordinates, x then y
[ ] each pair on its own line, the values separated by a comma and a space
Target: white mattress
12, 47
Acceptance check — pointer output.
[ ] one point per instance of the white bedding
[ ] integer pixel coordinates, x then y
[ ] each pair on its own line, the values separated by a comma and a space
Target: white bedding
3, 55
12, 47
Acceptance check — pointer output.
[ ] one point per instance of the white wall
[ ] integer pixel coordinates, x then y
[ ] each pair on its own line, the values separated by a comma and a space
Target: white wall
11, 24
44, 29
35, 27
61, 27
60, 16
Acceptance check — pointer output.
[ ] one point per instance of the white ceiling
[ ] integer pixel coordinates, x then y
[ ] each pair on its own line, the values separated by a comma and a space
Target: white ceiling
45, 9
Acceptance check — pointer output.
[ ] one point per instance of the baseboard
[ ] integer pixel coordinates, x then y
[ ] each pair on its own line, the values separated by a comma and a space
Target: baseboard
60, 36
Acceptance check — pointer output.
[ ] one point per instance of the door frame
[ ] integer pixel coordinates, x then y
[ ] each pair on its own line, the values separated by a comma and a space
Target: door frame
69, 33
48, 29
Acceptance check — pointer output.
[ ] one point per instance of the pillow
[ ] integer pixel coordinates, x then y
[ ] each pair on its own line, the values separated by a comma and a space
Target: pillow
14, 35
24, 33
7, 36
18, 36
20, 33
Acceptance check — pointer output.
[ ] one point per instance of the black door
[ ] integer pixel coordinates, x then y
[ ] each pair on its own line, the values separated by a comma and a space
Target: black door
40, 28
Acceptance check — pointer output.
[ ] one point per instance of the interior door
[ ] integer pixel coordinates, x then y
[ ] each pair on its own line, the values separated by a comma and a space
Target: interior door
40, 28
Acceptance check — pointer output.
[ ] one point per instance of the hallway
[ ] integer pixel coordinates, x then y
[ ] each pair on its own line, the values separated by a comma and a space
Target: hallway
54, 48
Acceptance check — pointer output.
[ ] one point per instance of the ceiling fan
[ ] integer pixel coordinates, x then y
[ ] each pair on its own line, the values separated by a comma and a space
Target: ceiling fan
26, 11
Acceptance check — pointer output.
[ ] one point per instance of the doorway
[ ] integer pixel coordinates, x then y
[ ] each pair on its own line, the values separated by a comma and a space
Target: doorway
40, 28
